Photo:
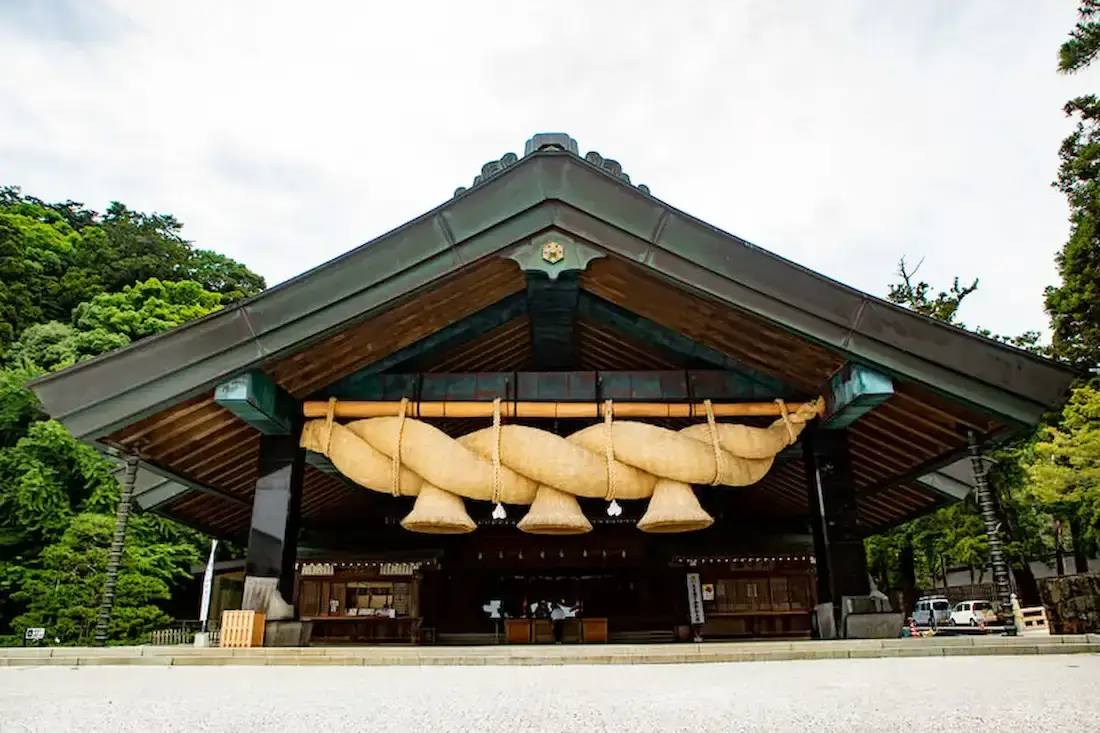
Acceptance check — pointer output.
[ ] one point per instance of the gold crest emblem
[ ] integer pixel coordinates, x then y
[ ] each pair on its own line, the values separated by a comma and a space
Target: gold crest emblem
553, 252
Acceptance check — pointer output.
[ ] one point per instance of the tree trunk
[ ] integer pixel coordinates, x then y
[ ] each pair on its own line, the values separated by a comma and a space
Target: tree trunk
1059, 561
1077, 534
908, 577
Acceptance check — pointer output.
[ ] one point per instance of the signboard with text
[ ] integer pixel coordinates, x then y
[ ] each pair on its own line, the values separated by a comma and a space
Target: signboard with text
695, 598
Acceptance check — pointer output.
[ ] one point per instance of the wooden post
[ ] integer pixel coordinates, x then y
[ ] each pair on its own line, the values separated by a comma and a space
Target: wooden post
838, 546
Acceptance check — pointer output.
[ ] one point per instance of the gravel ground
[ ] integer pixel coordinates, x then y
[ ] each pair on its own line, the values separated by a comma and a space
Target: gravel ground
1035, 694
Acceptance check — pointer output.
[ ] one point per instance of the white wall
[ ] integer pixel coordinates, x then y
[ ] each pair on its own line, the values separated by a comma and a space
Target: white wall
961, 576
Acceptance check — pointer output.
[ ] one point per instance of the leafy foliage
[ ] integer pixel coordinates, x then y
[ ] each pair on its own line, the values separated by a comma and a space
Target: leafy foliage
54, 257
36, 247
944, 306
1065, 470
63, 590
1084, 41
110, 321
18, 406
45, 478
75, 284
1074, 306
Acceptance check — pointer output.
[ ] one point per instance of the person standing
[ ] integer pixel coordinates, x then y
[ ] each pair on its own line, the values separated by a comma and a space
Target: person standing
557, 620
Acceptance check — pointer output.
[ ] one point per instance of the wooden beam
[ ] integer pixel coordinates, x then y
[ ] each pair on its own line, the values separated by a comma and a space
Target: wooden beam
571, 386
352, 409
552, 304
478, 324
668, 340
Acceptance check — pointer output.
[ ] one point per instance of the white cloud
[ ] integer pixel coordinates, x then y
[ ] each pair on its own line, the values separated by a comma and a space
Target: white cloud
841, 135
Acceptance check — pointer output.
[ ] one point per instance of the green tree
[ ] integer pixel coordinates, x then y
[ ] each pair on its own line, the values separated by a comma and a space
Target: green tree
943, 306
58, 496
63, 590
56, 256
145, 308
75, 284
110, 321
36, 247
52, 346
18, 405
45, 478
1074, 305
1065, 471
1084, 40
220, 274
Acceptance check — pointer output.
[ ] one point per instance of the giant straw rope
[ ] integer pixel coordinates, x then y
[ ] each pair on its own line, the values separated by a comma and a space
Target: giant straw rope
517, 464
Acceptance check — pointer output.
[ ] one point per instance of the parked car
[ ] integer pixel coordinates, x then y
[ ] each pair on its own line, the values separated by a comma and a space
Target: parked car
973, 613
931, 610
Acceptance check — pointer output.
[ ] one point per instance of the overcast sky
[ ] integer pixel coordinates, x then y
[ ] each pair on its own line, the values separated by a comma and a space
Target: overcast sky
842, 134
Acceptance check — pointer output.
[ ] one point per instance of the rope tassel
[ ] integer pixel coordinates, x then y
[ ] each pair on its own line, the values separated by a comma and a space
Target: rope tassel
498, 510
613, 508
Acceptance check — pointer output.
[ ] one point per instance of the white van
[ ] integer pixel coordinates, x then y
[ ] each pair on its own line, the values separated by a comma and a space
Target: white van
973, 613
931, 610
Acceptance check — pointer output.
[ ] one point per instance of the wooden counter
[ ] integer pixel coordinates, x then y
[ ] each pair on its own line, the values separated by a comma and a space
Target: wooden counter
517, 631
594, 630
541, 631
364, 630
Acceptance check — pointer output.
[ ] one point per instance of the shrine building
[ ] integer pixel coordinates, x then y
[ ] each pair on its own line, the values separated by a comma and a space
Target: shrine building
553, 387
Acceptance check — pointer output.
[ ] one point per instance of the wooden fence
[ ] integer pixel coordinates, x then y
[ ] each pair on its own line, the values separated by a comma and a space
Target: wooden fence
183, 633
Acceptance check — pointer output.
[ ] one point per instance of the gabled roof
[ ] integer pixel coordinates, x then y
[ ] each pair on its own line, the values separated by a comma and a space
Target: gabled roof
546, 189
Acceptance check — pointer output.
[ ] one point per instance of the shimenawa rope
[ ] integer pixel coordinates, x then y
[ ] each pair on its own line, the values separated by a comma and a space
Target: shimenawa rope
396, 484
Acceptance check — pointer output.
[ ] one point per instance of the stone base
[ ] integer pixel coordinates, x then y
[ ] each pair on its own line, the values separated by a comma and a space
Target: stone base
1072, 603
288, 633
825, 621
873, 625
202, 639
262, 594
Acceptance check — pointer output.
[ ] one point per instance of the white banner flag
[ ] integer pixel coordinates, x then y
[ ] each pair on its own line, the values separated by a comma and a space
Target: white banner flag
207, 585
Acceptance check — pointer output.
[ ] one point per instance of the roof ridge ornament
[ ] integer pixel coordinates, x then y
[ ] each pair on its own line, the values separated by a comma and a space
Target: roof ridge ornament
613, 167
550, 141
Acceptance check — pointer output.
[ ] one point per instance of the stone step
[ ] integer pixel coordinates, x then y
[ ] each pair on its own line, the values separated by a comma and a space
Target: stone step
717, 652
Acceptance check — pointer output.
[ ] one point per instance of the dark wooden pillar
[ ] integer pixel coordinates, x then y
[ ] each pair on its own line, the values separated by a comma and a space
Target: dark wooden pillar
273, 535
838, 544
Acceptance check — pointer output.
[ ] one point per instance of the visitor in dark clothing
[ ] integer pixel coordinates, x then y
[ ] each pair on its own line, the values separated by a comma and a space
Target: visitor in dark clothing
557, 618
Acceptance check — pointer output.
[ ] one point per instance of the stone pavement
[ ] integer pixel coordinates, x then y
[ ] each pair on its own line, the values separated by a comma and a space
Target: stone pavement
749, 651
1036, 694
